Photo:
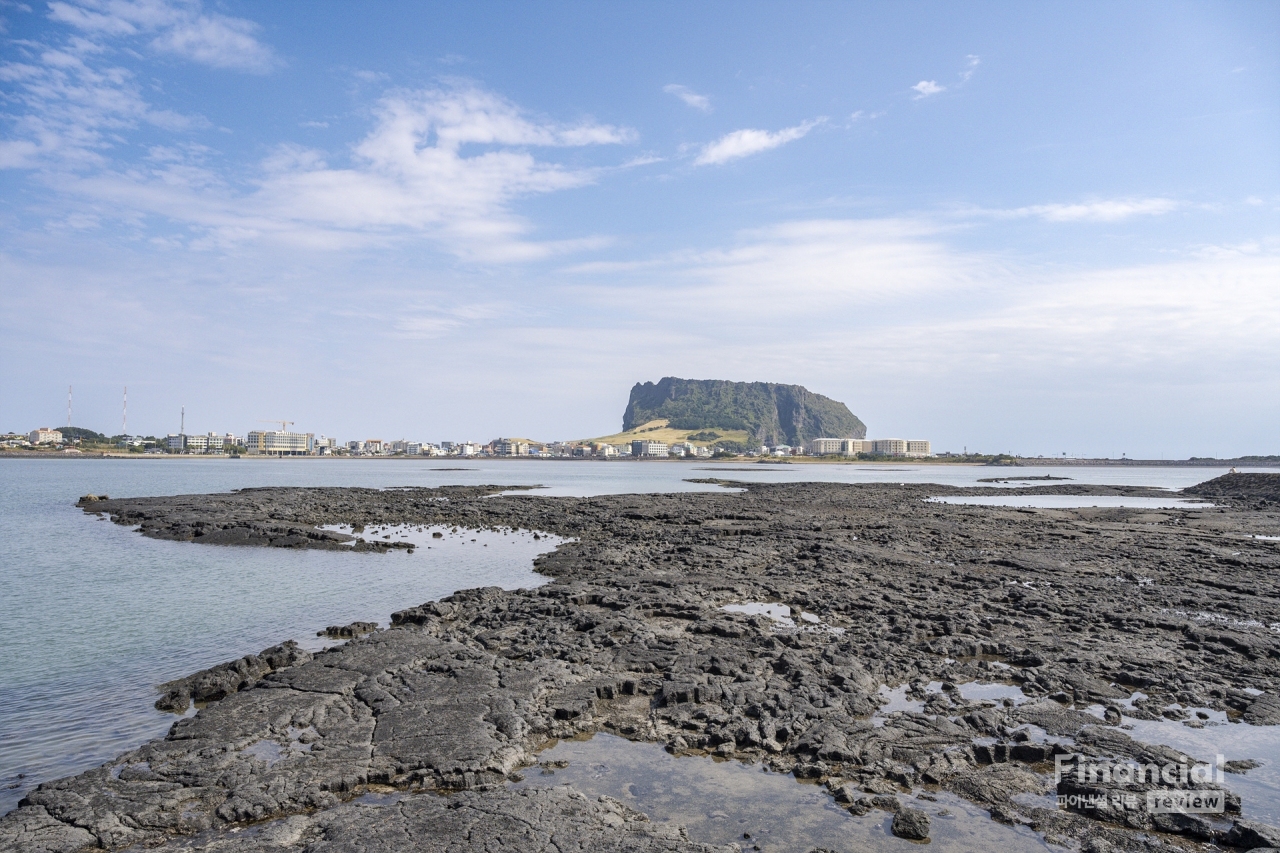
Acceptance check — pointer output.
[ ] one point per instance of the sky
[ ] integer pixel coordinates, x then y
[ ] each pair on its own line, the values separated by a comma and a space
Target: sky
1038, 228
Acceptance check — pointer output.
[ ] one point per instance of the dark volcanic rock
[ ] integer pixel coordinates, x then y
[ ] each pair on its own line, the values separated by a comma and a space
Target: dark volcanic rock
911, 823
1075, 607
210, 685
1239, 486
346, 632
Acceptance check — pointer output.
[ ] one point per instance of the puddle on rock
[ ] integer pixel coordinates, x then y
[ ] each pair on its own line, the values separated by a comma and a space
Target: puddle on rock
781, 615
1259, 788
727, 802
898, 698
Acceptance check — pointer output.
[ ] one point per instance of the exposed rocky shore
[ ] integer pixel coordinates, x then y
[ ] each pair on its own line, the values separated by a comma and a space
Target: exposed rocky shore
1080, 608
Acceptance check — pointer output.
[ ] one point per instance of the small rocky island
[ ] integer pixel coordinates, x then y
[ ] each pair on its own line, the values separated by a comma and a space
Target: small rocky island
407, 738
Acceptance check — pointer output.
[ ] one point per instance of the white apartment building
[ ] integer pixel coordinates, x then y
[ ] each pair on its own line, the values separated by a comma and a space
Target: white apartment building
919, 448
649, 448
44, 435
273, 442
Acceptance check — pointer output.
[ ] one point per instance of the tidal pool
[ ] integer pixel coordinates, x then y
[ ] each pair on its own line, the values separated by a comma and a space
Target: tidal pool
728, 802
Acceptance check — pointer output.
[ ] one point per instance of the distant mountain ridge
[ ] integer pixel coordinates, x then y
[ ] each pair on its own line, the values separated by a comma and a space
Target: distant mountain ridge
771, 413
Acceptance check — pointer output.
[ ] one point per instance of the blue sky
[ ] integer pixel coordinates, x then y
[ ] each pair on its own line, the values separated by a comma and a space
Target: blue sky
1037, 228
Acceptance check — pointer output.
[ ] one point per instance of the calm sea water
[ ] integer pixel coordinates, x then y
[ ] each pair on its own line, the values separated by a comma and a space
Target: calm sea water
96, 616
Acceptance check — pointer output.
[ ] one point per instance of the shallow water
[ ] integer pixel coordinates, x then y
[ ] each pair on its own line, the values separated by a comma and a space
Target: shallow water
1259, 789
780, 614
97, 615
726, 802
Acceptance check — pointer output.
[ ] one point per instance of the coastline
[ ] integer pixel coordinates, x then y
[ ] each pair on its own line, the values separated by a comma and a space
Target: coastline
1015, 462
630, 638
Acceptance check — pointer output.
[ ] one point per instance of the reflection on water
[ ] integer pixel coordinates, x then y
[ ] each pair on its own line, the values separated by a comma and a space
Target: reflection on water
1259, 788
724, 802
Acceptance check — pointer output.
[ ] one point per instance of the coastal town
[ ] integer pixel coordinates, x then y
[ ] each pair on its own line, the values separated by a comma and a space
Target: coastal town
284, 443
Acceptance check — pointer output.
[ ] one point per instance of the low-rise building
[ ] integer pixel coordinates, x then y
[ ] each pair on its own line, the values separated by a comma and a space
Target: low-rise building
508, 447
642, 447
919, 447
175, 443
195, 443
44, 435
273, 442
854, 446
889, 447
826, 446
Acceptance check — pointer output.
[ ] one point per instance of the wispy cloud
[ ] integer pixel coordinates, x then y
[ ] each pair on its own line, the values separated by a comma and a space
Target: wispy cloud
1109, 210
928, 88
744, 143
181, 28
413, 173
690, 97
925, 88
72, 107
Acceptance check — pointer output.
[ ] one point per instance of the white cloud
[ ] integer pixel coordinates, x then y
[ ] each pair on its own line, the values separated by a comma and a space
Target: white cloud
893, 299
743, 143
690, 97
1111, 210
414, 173
219, 41
972, 63
925, 88
182, 28
74, 108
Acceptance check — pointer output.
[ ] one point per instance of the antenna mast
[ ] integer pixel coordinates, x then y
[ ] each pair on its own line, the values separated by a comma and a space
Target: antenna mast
68, 407
124, 414
182, 430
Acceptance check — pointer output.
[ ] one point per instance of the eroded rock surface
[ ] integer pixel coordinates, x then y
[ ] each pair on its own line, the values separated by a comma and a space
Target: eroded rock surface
1077, 607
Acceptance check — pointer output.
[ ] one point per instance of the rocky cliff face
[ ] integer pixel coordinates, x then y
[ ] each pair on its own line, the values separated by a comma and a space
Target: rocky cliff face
772, 413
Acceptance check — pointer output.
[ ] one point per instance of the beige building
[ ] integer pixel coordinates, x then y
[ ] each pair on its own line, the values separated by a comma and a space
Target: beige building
919, 448
826, 446
272, 442
889, 447
854, 446
44, 435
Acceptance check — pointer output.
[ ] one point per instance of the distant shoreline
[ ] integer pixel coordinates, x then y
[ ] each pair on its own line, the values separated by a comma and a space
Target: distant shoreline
764, 463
